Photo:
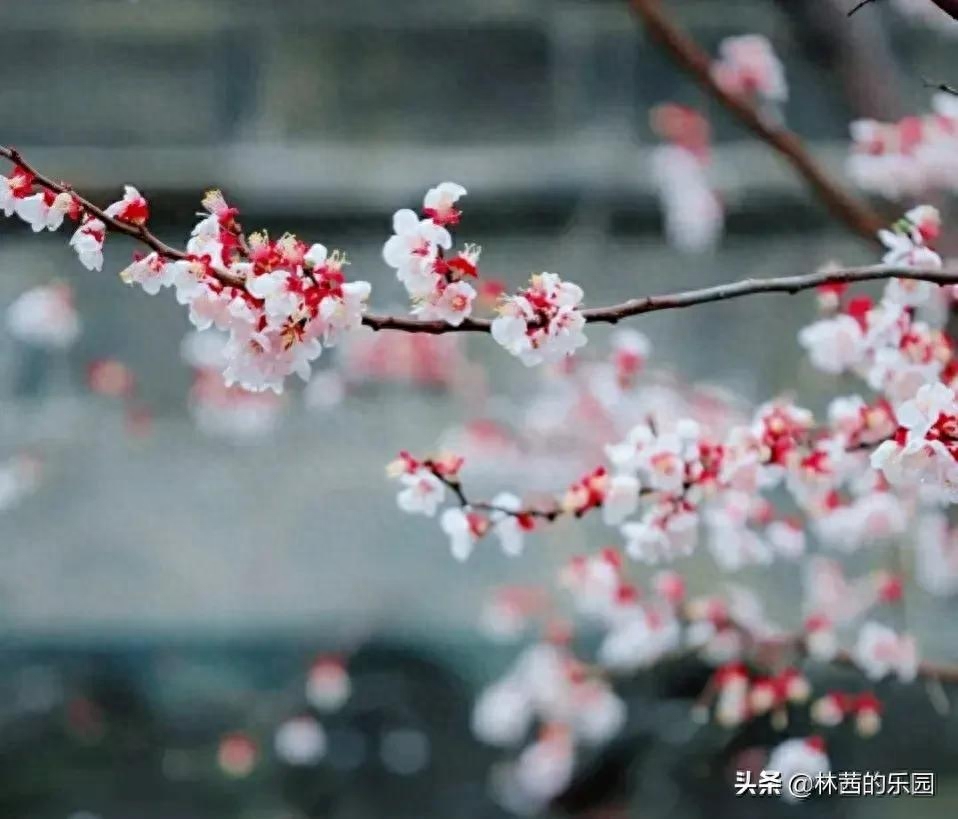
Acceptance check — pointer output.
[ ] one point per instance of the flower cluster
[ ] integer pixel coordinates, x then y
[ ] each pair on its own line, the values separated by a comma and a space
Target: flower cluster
749, 67
547, 686
836, 706
886, 344
924, 449
880, 652
912, 157
280, 301
543, 322
417, 251
693, 212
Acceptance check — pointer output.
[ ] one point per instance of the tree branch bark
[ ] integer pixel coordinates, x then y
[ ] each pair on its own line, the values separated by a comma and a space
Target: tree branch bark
854, 214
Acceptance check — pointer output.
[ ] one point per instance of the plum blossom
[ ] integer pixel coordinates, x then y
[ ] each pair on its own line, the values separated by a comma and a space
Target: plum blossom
693, 211
911, 157
152, 273
925, 446
593, 581
541, 323
621, 499
503, 713
798, 756
694, 214
46, 210
640, 641
509, 524
439, 203
45, 317
450, 303
544, 769
327, 684
413, 249
879, 652
14, 188
417, 251
666, 531
132, 208
834, 345
749, 66
422, 493
464, 528
87, 241
300, 741
906, 242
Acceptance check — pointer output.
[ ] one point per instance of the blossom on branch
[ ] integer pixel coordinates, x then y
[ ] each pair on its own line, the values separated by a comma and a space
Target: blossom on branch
541, 323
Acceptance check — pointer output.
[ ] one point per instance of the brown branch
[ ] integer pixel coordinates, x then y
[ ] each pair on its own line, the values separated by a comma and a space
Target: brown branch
611, 314
856, 215
139, 232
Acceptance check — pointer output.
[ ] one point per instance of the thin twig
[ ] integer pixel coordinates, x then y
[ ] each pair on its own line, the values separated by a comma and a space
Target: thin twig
940, 86
860, 6
856, 215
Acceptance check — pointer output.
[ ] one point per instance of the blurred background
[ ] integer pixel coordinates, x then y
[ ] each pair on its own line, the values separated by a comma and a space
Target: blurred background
164, 590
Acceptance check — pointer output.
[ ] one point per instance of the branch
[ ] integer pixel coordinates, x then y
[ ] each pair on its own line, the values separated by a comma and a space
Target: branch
941, 86
859, 6
857, 216
139, 232
611, 314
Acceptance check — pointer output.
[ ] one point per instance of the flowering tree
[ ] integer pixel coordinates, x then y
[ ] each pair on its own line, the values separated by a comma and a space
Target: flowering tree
752, 487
